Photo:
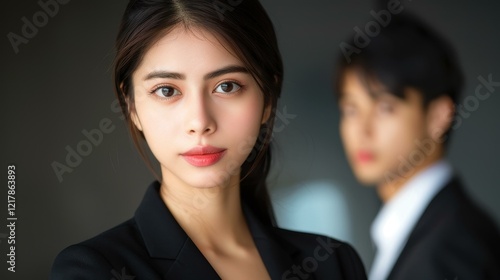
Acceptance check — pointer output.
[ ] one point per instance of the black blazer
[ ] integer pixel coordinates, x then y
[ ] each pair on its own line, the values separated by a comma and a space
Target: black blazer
153, 246
453, 240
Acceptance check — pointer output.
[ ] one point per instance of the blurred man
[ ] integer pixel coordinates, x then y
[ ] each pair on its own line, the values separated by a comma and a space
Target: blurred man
396, 97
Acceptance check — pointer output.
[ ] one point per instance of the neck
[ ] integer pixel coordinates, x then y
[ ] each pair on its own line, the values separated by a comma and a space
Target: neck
389, 188
211, 217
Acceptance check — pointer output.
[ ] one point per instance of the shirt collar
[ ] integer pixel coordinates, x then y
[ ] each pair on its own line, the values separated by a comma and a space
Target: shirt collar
395, 221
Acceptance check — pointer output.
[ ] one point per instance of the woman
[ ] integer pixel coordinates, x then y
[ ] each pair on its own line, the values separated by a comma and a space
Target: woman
199, 81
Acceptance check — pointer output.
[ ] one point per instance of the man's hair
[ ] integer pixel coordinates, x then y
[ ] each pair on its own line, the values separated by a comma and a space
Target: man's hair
406, 54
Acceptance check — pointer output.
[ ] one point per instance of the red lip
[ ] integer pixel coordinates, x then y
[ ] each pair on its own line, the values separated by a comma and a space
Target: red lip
365, 156
203, 155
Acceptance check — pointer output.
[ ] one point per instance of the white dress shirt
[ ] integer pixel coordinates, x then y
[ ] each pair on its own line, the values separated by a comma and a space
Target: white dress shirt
397, 218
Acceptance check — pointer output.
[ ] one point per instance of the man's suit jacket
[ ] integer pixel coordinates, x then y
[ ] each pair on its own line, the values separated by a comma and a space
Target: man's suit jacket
453, 240
153, 246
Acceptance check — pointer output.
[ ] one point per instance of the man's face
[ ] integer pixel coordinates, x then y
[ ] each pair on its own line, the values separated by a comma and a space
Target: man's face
382, 134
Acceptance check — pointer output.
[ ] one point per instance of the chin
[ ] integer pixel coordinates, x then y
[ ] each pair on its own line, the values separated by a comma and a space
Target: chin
368, 178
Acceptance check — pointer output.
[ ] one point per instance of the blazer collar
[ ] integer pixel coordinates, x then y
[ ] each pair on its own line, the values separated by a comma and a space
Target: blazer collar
165, 239
277, 255
436, 212
437, 209
162, 235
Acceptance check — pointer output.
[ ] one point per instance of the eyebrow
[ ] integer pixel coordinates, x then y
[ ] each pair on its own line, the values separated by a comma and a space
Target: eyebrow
211, 75
226, 70
164, 74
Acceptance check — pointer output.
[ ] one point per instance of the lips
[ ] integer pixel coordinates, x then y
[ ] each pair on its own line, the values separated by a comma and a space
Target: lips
365, 156
202, 156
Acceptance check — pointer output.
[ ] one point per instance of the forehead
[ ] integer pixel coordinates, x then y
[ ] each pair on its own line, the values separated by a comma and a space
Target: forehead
184, 47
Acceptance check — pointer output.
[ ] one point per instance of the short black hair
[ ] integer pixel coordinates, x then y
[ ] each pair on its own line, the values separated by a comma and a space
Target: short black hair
406, 53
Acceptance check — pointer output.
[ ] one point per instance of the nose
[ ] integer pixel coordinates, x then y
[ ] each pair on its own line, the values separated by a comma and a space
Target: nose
367, 122
199, 116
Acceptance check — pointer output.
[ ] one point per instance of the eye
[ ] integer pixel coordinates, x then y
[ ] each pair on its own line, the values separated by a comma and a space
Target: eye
165, 91
385, 107
348, 110
227, 87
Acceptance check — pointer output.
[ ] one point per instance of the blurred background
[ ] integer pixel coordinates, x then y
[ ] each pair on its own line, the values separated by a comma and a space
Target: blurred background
56, 83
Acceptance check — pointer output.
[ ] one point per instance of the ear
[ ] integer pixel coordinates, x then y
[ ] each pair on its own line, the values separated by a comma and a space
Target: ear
266, 114
439, 117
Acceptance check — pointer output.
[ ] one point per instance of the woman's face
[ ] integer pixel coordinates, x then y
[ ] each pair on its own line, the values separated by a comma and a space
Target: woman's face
199, 108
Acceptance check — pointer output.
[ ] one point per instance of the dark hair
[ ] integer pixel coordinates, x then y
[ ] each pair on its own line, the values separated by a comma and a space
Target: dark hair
249, 33
406, 53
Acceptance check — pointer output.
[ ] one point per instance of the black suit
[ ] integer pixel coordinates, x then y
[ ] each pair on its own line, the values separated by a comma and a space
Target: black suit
153, 246
452, 240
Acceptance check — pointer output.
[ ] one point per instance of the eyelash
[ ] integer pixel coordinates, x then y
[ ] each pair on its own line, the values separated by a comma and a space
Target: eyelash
241, 87
164, 98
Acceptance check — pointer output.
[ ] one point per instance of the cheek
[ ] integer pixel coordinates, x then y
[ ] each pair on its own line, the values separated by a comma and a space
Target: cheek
242, 121
397, 136
158, 126
348, 135
343, 130
390, 133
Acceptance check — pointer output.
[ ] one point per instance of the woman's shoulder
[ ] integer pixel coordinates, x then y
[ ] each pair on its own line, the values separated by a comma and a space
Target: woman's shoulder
317, 249
120, 237
101, 255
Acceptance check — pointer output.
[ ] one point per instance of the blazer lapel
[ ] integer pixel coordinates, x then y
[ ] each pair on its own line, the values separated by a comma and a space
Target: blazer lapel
165, 239
191, 264
276, 259
277, 256
434, 214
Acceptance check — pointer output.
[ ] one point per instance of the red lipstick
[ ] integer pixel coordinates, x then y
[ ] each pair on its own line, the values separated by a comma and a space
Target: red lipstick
365, 156
202, 156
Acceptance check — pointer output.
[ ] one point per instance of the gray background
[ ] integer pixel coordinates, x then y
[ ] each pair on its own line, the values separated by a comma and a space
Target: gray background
60, 84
